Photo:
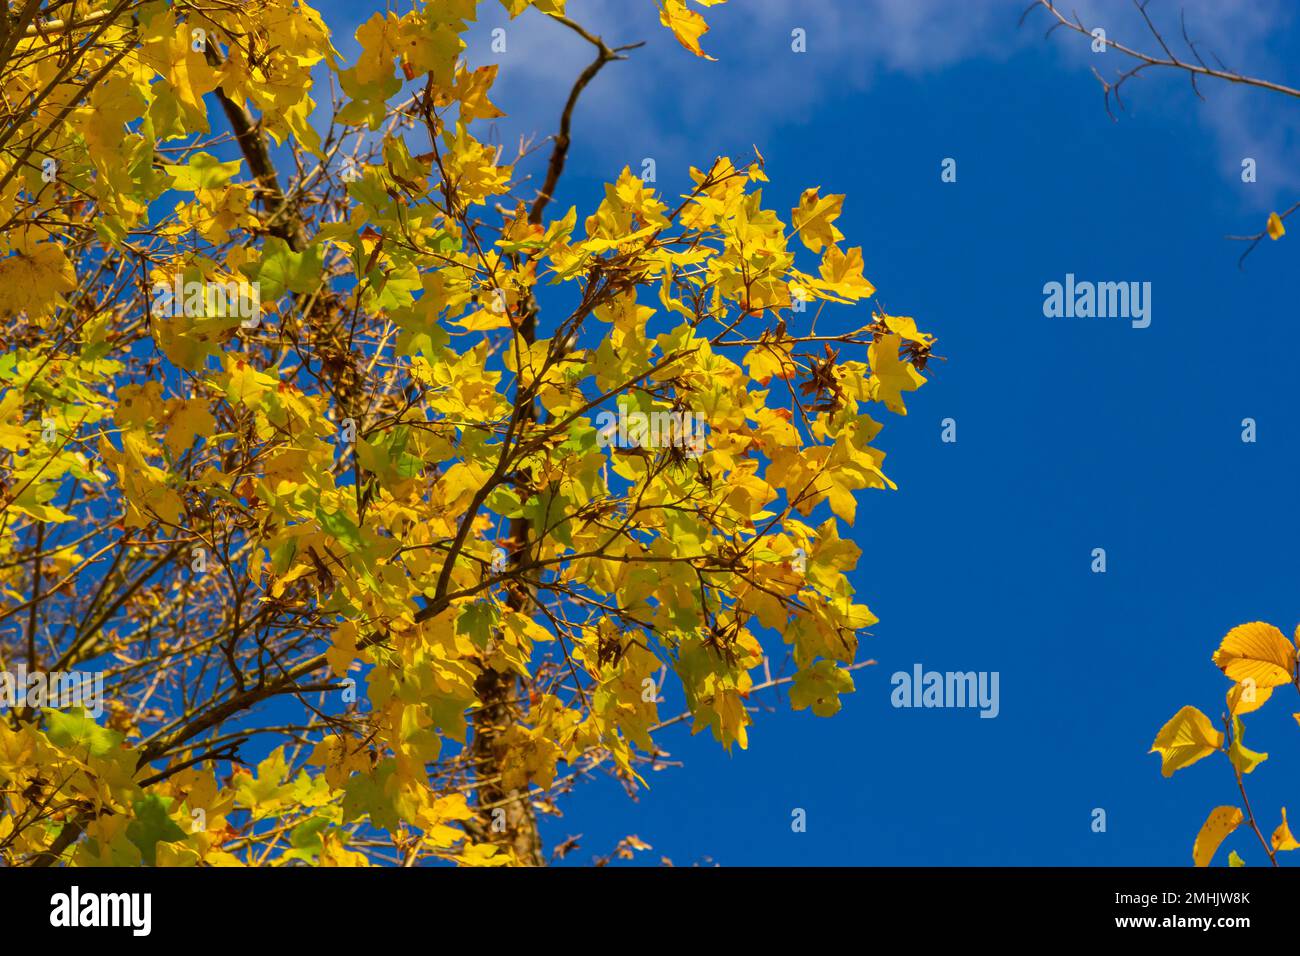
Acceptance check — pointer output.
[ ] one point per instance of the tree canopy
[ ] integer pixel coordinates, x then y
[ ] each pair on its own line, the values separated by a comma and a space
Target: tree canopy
331, 436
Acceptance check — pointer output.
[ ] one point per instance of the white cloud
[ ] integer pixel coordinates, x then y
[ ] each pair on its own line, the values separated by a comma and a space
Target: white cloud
664, 102
1243, 121
647, 105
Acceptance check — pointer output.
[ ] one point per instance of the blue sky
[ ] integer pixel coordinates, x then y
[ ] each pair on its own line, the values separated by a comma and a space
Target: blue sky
1073, 434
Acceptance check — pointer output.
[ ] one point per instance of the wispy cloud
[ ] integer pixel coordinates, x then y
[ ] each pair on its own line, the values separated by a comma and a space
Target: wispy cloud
1239, 36
665, 103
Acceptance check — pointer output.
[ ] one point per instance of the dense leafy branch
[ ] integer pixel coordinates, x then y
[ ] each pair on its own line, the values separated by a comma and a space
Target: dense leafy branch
382, 504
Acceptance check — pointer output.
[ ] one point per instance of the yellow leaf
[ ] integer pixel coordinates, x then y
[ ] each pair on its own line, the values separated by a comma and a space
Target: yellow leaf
1256, 651
1282, 838
186, 77
906, 327
470, 167
893, 375
189, 420
1246, 697
768, 359
814, 219
245, 384
34, 278
343, 650
137, 405
485, 854
819, 687
687, 25
379, 39
841, 274
175, 854
1275, 228
1242, 758
481, 320
1187, 738
188, 342
516, 7
472, 88
1217, 826
33, 509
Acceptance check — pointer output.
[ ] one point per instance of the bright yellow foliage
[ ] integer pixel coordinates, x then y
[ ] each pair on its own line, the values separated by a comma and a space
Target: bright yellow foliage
1259, 659
387, 496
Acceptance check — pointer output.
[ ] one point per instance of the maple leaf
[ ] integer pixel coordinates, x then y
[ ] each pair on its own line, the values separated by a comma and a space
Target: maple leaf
687, 25
34, 277
814, 219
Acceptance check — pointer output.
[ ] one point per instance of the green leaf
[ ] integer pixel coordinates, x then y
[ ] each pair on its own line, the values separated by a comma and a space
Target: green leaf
281, 269
342, 527
547, 513
364, 795
282, 555
390, 287
152, 825
819, 687
203, 171
305, 838
476, 622
385, 456
73, 730
505, 502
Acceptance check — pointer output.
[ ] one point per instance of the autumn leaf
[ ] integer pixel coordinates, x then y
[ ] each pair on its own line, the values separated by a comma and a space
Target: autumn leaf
905, 327
841, 274
893, 375
191, 420
687, 25
1245, 698
1216, 828
246, 385
819, 687
1282, 836
1185, 739
769, 359
152, 824
1258, 652
1243, 759
379, 40
814, 219
34, 277
202, 171
78, 731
